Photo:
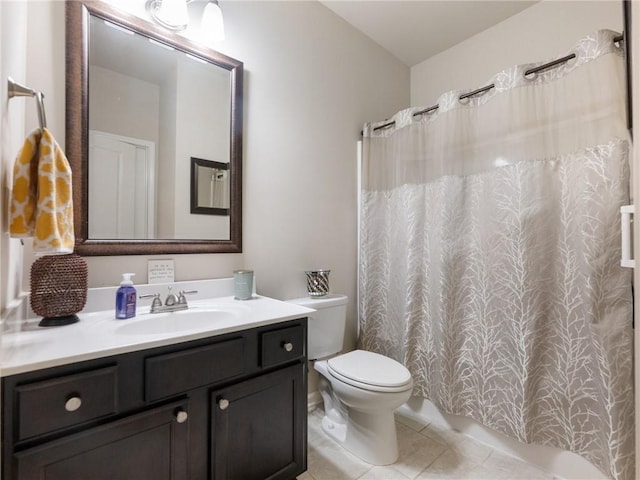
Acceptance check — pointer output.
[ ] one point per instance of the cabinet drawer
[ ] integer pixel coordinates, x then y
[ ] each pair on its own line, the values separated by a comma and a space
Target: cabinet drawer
62, 402
282, 345
178, 372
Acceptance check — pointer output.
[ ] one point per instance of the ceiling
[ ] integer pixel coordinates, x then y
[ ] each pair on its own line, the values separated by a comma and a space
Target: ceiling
415, 30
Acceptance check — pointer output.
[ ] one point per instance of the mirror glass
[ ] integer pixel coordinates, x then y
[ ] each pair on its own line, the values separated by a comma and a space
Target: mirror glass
153, 100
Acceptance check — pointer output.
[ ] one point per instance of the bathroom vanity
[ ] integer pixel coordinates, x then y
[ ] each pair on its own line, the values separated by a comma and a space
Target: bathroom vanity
227, 402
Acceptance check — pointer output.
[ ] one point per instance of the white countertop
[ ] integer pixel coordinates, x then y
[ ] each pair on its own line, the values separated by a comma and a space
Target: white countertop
98, 334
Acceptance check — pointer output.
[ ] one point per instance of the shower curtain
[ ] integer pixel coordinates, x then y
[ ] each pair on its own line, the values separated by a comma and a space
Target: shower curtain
490, 249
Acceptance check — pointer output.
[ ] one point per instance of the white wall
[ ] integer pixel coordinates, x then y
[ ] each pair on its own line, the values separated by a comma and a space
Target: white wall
13, 47
545, 31
311, 81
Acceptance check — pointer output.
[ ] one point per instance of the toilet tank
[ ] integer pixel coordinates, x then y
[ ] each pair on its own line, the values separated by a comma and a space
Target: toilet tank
327, 325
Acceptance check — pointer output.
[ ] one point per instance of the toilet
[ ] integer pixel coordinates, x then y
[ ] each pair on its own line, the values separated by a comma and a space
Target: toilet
360, 389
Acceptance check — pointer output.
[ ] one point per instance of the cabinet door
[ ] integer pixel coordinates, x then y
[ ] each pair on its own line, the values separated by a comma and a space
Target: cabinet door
150, 445
260, 427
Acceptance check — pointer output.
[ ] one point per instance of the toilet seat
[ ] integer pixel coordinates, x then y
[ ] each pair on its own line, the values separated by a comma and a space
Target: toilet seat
370, 371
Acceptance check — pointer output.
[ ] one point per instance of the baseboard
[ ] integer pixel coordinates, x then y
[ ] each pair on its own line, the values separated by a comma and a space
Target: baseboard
313, 401
562, 463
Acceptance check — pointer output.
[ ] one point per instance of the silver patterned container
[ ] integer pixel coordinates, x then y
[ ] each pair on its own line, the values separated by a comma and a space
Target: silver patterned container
317, 282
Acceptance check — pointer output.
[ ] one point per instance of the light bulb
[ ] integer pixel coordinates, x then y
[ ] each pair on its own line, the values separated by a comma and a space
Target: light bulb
212, 26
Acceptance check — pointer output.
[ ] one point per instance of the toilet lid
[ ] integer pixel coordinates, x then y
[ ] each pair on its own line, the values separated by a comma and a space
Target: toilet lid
370, 371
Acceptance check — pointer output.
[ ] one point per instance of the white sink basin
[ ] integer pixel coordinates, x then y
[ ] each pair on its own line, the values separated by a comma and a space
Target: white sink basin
192, 319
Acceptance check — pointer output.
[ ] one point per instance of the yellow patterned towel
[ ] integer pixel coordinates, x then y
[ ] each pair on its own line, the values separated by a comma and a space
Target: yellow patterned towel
41, 202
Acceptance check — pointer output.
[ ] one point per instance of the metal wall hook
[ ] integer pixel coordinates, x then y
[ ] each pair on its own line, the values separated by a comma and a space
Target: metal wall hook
15, 89
42, 118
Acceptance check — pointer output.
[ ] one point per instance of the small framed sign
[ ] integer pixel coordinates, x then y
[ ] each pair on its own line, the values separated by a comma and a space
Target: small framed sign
160, 271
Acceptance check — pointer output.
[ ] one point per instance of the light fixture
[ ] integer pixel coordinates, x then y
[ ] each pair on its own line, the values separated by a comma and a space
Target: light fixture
173, 14
212, 26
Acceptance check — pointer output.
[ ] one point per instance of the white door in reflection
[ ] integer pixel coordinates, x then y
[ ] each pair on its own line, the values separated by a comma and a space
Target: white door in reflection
122, 193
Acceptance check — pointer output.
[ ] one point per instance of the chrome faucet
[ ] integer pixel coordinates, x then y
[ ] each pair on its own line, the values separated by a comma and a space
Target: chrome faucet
172, 303
171, 299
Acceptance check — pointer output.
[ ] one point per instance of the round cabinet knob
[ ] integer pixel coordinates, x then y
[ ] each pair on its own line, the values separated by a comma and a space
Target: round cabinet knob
73, 404
182, 416
288, 346
223, 403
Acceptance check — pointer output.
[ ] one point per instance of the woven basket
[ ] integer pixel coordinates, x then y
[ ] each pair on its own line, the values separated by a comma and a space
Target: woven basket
58, 288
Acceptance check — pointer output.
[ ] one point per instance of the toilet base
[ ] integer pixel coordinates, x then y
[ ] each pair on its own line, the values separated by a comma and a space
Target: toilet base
336, 430
372, 438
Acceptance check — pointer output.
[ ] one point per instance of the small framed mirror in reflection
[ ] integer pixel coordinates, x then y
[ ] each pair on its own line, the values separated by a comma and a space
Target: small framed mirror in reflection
209, 187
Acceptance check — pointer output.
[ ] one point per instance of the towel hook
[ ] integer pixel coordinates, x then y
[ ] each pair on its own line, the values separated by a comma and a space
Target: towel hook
17, 90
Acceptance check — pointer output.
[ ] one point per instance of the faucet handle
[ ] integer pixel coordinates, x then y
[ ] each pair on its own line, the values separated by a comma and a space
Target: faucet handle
181, 296
156, 303
150, 295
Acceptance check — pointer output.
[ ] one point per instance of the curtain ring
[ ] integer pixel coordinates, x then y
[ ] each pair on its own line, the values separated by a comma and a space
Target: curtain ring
426, 111
533, 72
475, 93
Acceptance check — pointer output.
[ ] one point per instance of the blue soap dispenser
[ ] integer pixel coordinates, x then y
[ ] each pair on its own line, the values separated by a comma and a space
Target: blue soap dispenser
126, 298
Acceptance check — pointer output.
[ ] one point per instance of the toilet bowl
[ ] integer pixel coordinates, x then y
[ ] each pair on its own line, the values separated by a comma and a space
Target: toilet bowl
371, 387
360, 389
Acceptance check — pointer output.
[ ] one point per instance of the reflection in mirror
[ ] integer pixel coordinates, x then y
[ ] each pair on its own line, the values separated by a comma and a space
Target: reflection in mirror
209, 187
122, 200
155, 100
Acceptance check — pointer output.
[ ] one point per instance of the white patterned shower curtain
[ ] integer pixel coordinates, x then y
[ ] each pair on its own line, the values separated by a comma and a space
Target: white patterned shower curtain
490, 249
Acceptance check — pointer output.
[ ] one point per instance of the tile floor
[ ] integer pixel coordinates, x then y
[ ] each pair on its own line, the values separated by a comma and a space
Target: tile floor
427, 452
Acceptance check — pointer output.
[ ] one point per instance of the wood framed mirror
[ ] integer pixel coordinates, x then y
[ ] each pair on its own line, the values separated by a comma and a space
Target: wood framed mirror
133, 121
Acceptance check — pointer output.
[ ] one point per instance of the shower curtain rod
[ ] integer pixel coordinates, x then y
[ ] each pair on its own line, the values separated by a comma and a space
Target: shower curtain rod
479, 91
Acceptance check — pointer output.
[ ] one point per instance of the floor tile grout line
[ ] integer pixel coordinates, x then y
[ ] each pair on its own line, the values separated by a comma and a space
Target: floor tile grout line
448, 444
432, 462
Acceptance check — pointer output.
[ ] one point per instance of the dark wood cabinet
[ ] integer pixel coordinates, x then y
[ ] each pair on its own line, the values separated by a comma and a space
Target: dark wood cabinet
226, 407
255, 434
150, 445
